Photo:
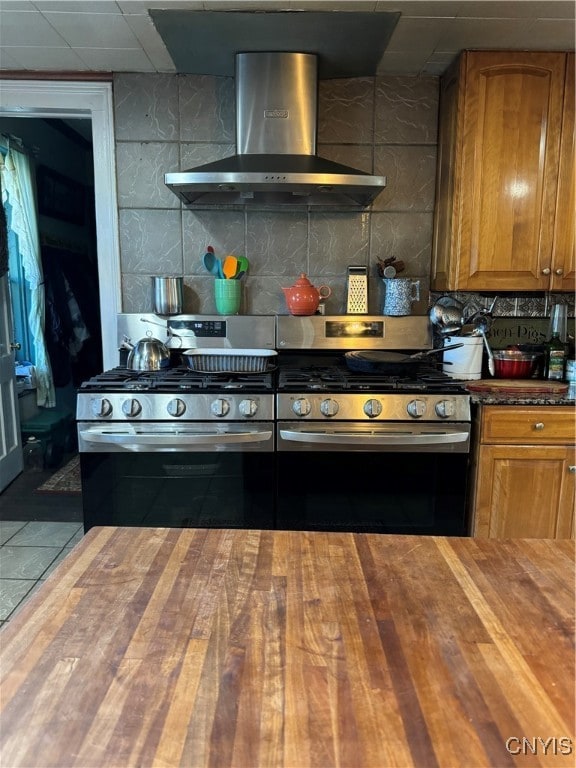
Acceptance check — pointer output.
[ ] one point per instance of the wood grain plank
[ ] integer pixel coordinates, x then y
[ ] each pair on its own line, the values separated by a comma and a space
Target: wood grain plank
284, 649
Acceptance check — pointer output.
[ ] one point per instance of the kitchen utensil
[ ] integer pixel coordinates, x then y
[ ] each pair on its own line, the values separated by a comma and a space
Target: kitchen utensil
303, 298
167, 295
513, 364
240, 274
491, 367
400, 293
464, 363
357, 290
392, 363
212, 264
243, 264
230, 267
148, 354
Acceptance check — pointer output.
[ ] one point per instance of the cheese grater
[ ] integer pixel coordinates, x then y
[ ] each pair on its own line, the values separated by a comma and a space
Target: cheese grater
357, 299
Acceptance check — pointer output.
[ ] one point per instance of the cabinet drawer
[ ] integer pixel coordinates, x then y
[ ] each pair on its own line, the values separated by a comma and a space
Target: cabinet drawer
528, 425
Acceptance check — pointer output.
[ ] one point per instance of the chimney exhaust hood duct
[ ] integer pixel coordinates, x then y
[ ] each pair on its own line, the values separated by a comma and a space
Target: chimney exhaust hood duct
276, 161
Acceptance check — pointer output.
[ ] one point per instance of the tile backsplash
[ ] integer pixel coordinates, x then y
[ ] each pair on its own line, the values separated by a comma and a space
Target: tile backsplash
382, 125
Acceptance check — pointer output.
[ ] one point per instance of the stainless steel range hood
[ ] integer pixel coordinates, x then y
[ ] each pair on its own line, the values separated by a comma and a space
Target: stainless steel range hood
276, 161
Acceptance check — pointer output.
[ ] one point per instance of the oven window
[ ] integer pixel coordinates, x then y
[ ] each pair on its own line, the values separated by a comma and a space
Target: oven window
407, 493
178, 490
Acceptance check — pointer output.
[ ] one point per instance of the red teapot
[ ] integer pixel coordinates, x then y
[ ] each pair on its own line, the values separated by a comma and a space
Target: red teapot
303, 298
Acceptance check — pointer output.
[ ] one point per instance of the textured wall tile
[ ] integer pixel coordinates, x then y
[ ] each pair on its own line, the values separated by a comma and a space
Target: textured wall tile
192, 155
146, 107
150, 242
346, 111
263, 296
411, 178
408, 236
406, 110
276, 243
224, 230
199, 294
356, 156
137, 293
207, 110
336, 241
140, 174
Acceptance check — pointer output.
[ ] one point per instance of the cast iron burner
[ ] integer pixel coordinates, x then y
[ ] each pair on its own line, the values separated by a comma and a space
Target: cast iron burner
177, 380
337, 377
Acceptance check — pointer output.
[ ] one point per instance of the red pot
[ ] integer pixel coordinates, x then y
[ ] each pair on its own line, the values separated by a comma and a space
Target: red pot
513, 364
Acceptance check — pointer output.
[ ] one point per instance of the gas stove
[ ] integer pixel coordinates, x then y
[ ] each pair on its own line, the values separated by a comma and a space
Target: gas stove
176, 394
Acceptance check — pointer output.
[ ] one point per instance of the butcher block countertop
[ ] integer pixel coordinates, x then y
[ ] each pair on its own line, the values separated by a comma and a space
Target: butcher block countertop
171, 647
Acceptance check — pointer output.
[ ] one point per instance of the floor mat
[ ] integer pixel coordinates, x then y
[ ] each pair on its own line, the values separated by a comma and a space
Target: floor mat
65, 480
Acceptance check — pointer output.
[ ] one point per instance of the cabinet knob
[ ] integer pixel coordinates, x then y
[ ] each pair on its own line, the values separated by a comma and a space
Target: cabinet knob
546, 271
539, 425
559, 271
572, 469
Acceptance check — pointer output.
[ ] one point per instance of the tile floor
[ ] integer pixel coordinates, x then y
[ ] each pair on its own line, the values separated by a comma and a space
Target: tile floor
29, 551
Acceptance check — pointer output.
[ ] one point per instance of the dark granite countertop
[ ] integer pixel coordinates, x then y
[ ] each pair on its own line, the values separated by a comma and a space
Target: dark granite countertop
505, 399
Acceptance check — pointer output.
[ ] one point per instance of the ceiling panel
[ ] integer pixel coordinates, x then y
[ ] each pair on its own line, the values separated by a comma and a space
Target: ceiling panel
118, 35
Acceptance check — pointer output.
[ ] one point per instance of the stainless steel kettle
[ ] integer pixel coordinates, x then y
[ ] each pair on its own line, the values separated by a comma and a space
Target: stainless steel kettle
148, 354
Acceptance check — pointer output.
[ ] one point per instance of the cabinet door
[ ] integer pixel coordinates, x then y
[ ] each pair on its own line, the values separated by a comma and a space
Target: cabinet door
563, 277
524, 492
509, 169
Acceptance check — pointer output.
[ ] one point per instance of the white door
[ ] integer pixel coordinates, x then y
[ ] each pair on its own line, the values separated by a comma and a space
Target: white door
11, 463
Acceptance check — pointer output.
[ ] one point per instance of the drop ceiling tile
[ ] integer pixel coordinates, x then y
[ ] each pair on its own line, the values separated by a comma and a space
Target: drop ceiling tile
16, 5
115, 59
7, 61
402, 63
151, 41
483, 33
518, 9
421, 33
100, 6
551, 35
86, 30
34, 57
24, 28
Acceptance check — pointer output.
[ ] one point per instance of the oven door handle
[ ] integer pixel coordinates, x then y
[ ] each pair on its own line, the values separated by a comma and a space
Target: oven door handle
127, 440
374, 438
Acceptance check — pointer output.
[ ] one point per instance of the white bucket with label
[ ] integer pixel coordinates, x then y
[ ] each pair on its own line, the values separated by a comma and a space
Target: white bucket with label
464, 363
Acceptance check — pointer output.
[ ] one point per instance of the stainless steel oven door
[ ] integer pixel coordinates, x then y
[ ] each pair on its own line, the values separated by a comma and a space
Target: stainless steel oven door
430, 437
154, 437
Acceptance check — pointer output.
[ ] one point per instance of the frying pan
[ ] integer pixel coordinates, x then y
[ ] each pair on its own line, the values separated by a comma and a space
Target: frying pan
391, 363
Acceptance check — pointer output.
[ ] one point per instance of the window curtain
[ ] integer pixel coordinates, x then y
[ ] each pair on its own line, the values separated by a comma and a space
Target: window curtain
19, 189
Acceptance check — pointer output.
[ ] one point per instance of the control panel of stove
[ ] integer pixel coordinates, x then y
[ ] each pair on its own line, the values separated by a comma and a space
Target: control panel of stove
359, 407
142, 406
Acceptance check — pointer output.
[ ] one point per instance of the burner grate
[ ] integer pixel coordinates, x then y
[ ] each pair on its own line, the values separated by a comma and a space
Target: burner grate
177, 380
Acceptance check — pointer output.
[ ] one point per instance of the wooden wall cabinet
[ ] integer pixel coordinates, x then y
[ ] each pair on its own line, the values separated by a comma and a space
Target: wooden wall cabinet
505, 207
524, 473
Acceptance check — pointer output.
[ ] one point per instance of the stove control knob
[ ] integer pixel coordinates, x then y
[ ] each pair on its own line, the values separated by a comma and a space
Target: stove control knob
101, 407
329, 407
248, 407
131, 407
220, 407
176, 407
416, 408
372, 408
301, 407
445, 409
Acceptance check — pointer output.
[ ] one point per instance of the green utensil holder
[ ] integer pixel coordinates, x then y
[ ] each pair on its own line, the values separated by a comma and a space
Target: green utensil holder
228, 296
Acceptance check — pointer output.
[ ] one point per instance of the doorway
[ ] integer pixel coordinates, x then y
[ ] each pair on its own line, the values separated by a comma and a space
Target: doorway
91, 101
